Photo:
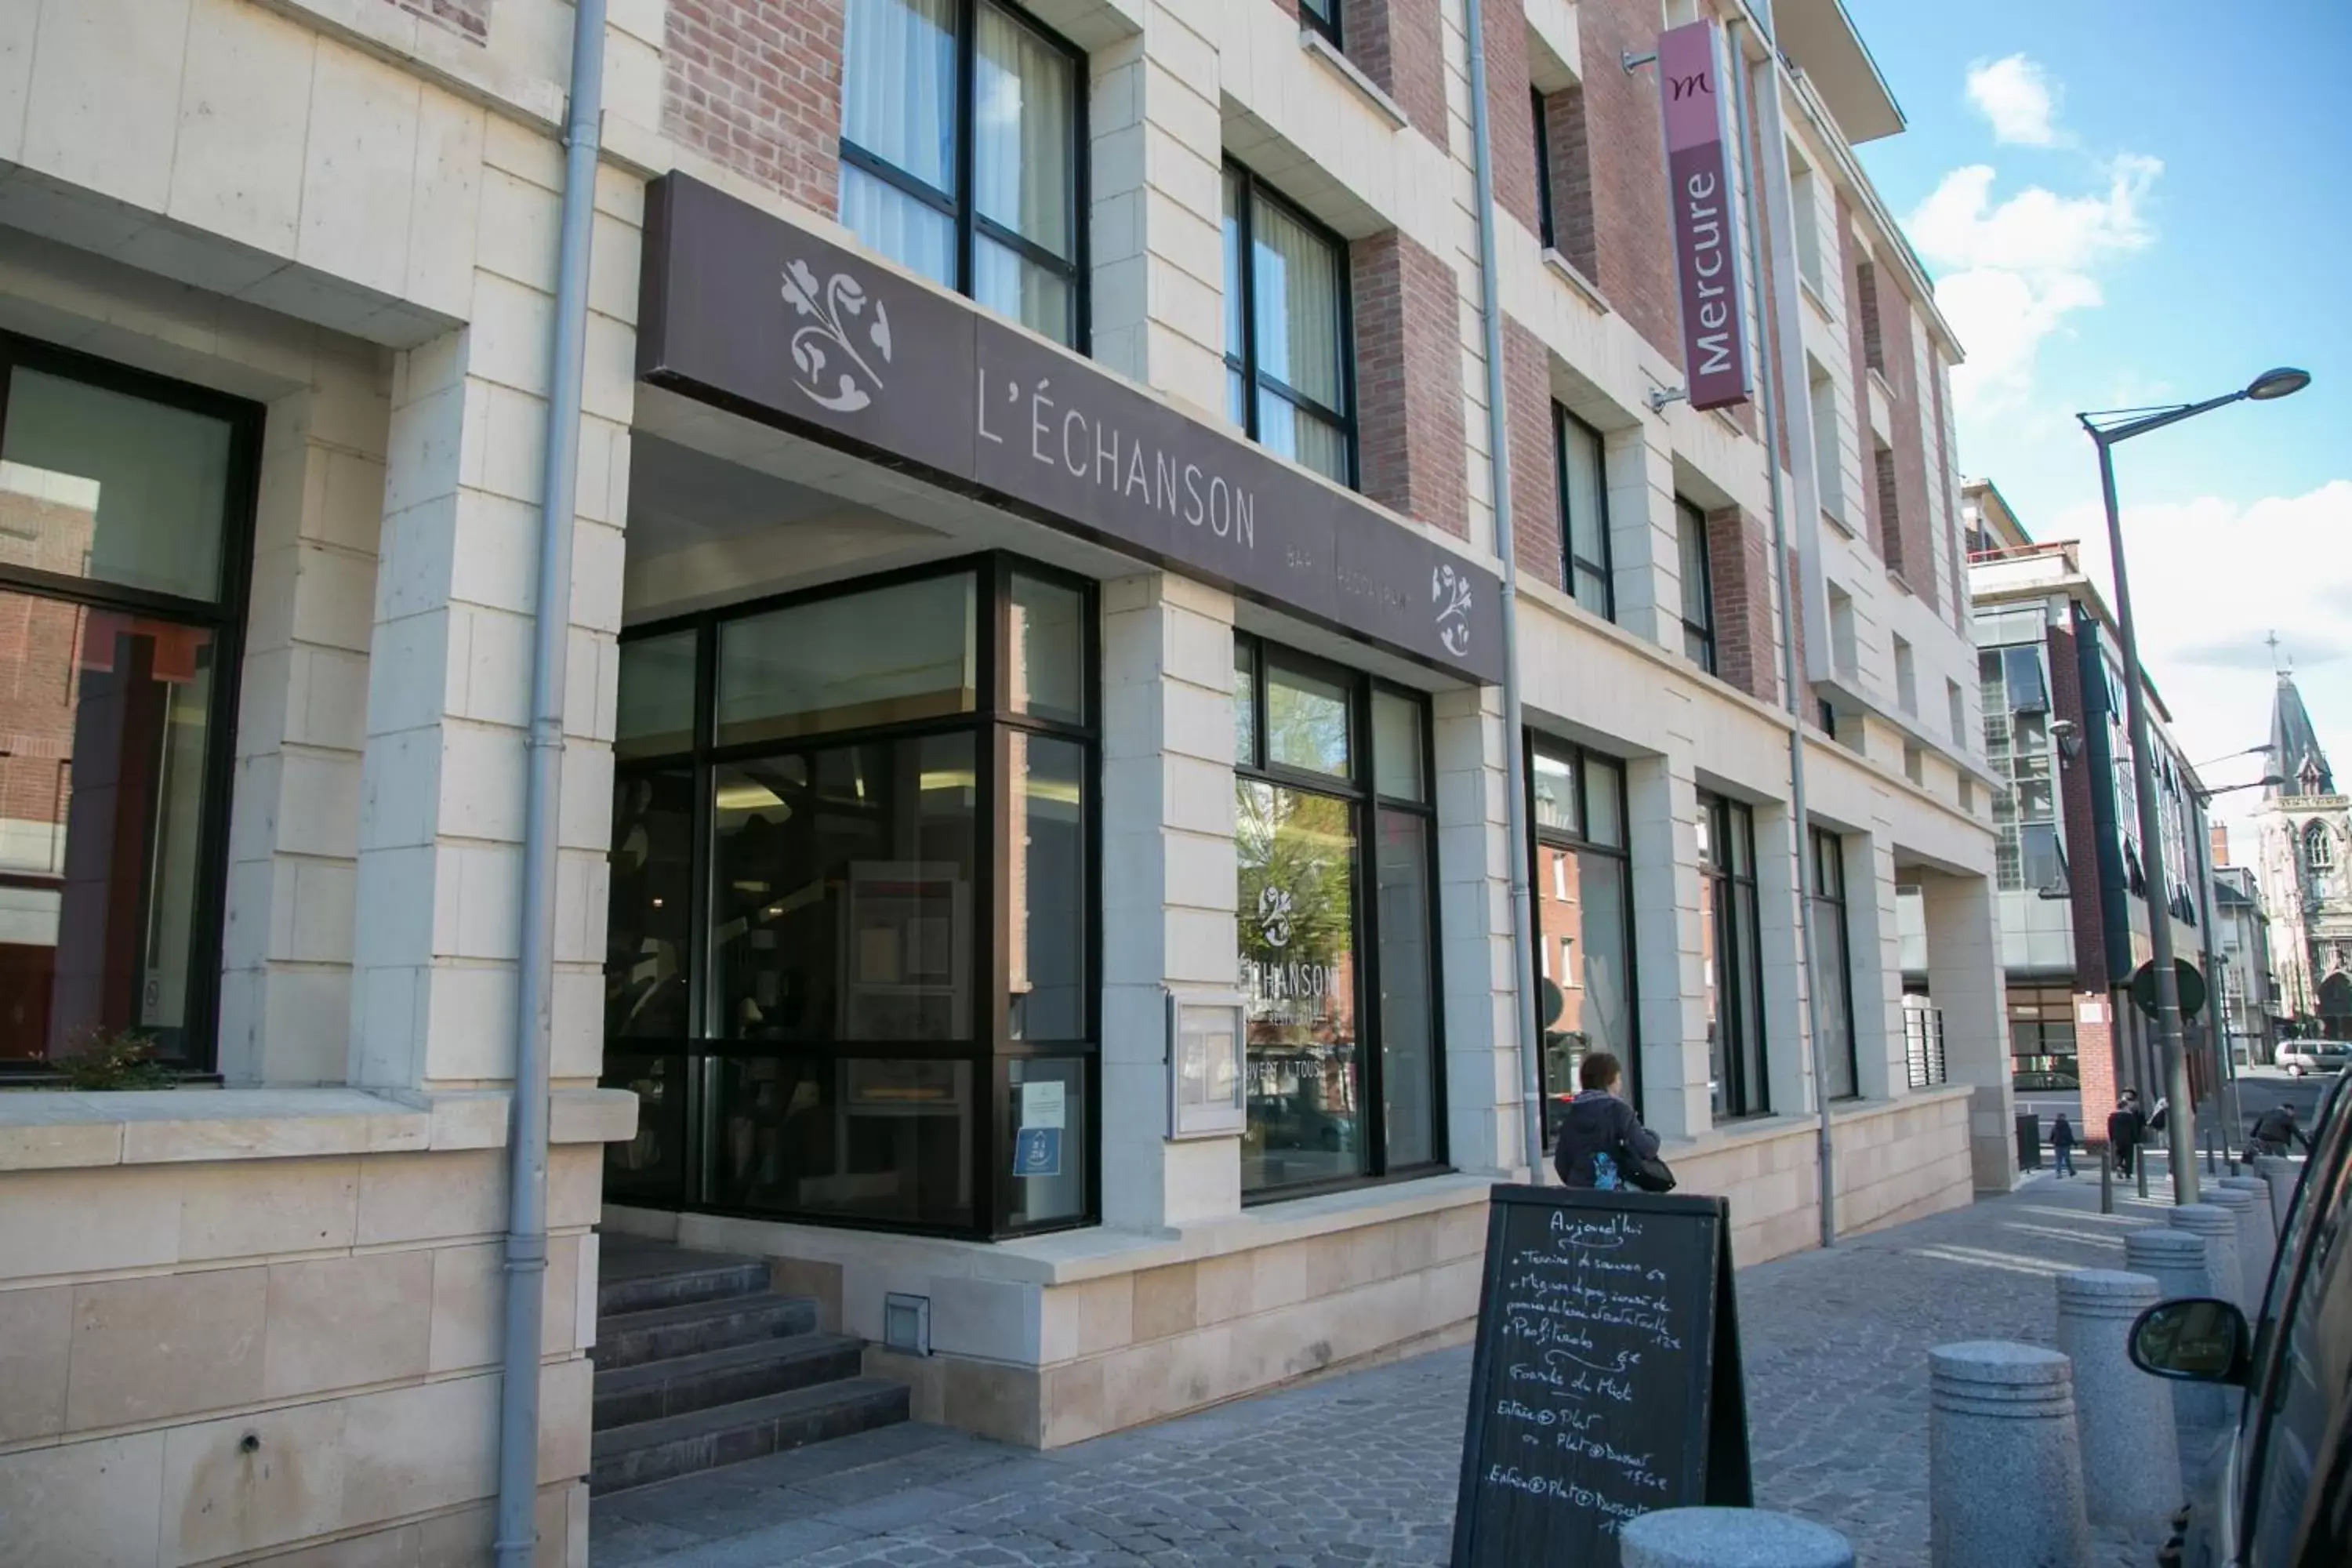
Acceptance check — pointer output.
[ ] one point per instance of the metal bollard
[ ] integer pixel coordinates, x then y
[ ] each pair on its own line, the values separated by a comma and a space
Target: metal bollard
2004, 1466
2225, 1270
2254, 1242
2267, 1232
2106, 1179
2139, 1168
2176, 1261
1711, 1537
2131, 1454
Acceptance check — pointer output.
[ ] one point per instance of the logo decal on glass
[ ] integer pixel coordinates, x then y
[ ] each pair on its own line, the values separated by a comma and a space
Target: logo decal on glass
1274, 915
1450, 590
836, 307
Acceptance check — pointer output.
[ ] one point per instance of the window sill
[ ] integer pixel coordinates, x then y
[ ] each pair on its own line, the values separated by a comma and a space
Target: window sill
46, 1131
1887, 388
1322, 48
1844, 528
1813, 291
1566, 270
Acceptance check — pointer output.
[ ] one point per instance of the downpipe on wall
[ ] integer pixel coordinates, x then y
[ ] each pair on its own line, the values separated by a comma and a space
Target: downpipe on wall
516, 1540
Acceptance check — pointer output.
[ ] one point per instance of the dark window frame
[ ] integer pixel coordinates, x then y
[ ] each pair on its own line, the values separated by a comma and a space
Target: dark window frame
1580, 841
224, 617
1323, 16
1828, 892
959, 207
988, 1045
1689, 513
1366, 804
1546, 223
1741, 974
1255, 190
1571, 560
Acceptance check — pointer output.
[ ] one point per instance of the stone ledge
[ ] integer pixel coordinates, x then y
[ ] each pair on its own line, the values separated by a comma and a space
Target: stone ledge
1322, 48
1565, 270
44, 1131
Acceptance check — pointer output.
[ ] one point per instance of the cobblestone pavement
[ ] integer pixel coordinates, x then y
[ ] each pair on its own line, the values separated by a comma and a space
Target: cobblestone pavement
1361, 1467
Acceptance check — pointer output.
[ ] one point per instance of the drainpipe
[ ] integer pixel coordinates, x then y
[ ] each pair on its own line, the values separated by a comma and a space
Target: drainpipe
1770, 170
526, 1249
1498, 455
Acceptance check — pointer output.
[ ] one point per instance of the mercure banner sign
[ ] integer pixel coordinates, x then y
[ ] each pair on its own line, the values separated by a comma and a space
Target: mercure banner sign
743, 309
1707, 248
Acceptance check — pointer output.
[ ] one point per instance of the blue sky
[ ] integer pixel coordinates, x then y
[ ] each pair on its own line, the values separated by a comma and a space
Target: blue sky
2141, 203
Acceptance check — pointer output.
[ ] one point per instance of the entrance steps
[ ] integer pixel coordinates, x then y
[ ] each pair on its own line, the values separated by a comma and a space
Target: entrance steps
700, 1363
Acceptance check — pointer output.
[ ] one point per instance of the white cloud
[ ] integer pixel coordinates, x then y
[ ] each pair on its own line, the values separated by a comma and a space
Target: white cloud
2013, 271
2211, 580
2019, 100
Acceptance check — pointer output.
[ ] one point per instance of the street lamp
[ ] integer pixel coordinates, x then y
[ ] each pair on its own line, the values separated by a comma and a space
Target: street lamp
2106, 428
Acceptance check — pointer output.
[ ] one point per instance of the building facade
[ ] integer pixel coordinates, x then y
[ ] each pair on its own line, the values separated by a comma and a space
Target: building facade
2304, 831
1034, 614
2073, 887
2249, 1000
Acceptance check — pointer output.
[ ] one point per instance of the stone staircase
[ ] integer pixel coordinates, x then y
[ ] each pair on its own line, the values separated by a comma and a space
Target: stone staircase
700, 1363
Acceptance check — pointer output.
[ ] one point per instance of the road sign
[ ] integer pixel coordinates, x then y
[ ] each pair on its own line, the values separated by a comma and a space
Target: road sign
2191, 984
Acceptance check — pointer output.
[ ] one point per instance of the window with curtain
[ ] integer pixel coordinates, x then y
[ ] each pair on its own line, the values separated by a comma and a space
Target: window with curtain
1582, 882
1832, 976
1698, 587
959, 136
1336, 837
1731, 969
1584, 567
1287, 324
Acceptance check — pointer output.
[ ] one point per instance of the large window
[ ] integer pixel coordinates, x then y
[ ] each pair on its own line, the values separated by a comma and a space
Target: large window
1731, 969
961, 152
1698, 587
1287, 365
1539, 123
2028, 853
1337, 848
1583, 514
1832, 976
2041, 1037
1583, 918
125, 528
852, 946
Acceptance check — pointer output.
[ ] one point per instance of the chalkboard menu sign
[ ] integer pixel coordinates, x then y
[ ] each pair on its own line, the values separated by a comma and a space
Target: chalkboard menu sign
1606, 1383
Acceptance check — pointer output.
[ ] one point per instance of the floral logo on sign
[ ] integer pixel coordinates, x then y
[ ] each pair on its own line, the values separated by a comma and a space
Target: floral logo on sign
835, 372
1450, 590
1274, 915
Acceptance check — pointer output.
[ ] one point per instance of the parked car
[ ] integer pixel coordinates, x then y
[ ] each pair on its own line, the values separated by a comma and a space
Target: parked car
2300, 1057
2278, 1493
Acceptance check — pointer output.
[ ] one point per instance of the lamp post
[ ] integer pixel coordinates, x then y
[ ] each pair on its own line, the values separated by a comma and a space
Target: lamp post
2106, 428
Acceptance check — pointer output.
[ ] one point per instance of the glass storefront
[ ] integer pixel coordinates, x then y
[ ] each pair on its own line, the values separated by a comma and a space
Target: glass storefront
1731, 968
1832, 976
851, 944
1334, 837
125, 525
1582, 881
2041, 1037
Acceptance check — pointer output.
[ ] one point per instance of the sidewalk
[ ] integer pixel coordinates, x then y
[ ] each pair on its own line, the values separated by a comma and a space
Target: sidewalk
1361, 1467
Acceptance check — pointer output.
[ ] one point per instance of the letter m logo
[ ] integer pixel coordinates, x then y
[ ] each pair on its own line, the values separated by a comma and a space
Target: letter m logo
1684, 86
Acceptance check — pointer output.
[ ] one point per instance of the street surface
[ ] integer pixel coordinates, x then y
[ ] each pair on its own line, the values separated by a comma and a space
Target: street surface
1361, 1467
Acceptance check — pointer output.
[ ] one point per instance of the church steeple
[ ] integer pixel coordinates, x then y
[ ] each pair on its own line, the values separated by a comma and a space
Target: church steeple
2295, 753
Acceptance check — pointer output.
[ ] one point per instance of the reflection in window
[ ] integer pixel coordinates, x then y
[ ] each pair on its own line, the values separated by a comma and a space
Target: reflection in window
648, 928
1046, 898
1731, 966
852, 1137
1287, 348
882, 657
654, 714
1407, 978
1297, 852
1305, 721
1832, 970
1583, 515
1698, 589
1583, 917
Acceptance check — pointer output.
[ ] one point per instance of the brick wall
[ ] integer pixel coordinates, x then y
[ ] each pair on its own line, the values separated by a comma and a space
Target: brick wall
756, 85
468, 18
1739, 570
1851, 272
1571, 161
1633, 249
1910, 544
1409, 432
2076, 819
1510, 115
1401, 45
1534, 477
1946, 485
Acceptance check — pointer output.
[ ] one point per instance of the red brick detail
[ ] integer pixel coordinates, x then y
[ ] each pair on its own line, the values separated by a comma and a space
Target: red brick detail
1943, 483
1535, 474
1633, 248
1401, 45
1510, 114
467, 19
1855, 273
1409, 438
1739, 571
2095, 1060
756, 85
1571, 159
1808, 710
1907, 539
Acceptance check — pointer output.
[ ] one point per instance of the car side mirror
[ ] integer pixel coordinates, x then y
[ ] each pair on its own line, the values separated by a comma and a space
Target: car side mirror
2196, 1340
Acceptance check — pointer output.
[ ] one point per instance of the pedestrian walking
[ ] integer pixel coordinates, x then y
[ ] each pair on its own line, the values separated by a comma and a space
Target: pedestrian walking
2125, 1125
2062, 1145
1601, 1141
2276, 1129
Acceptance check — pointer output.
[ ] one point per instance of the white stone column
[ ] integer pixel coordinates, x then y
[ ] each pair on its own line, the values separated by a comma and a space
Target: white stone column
450, 654
1874, 950
1662, 811
1643, 546
1965, 980
1485, 1073
1788, 1045
1168, 880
